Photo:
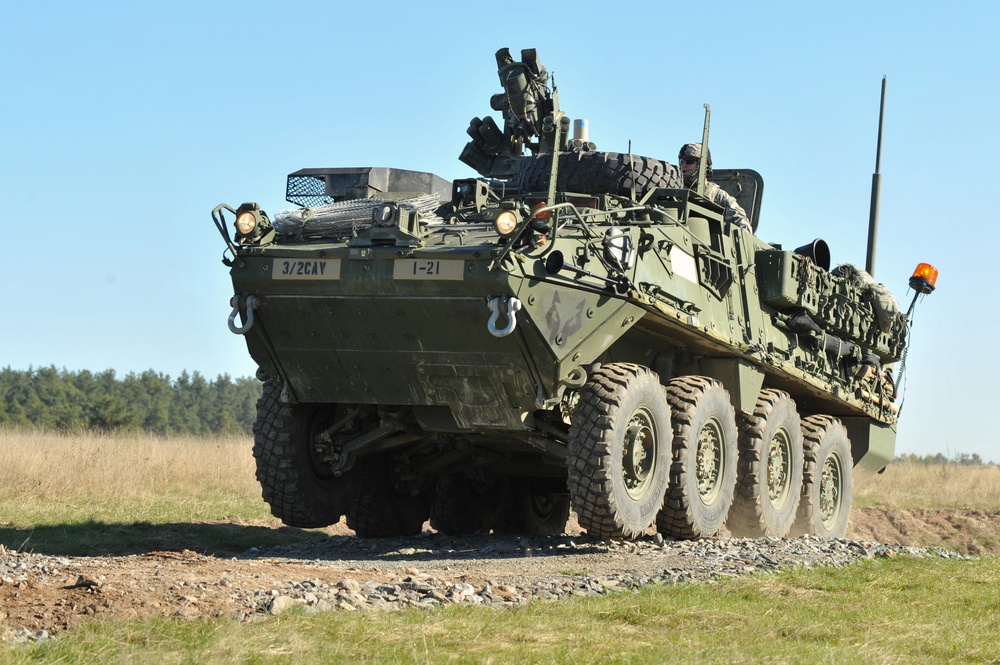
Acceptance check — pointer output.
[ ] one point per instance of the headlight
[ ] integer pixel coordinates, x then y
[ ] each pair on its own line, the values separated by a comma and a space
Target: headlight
252, 225
246, 222
506, 223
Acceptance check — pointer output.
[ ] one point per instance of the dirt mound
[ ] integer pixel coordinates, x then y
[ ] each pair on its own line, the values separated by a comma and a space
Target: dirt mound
967, 531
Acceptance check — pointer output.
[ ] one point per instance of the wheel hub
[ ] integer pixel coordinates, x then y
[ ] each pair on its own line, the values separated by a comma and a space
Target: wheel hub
779, 468
638, 453
710, 460
830, 489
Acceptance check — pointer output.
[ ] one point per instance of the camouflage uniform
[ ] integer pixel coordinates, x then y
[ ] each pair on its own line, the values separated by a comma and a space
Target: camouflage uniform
734, 213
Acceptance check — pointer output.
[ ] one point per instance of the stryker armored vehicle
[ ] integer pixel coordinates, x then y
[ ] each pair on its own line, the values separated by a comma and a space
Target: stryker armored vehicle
572, 329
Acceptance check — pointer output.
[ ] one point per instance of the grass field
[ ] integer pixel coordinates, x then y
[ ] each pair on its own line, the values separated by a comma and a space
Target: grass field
117, 475
73, 494
70, 494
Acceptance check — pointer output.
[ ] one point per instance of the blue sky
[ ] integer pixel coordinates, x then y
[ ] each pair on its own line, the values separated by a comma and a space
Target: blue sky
125, 123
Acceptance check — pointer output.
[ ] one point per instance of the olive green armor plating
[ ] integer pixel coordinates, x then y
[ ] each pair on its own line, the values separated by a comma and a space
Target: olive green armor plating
478, 352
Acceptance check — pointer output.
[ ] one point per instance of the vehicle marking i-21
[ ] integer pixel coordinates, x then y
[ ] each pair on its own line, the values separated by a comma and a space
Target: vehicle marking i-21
305, 269
428, 269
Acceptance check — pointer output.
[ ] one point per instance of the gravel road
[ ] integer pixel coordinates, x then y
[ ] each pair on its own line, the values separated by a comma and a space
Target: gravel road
42, 596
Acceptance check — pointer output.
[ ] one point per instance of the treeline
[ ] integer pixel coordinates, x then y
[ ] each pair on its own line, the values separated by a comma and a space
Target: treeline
961, 459
52, 399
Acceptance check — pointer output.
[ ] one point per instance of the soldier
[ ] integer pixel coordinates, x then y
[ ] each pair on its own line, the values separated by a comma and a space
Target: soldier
688, 159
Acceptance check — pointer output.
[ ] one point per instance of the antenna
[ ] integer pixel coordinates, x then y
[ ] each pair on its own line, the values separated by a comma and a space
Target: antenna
703, 162
876, 191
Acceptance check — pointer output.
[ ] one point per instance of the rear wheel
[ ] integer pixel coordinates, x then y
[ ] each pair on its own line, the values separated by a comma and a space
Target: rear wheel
533, 508
387, 504
619, 452
703, 472
769, 481
827, 479
467, 504
295, 481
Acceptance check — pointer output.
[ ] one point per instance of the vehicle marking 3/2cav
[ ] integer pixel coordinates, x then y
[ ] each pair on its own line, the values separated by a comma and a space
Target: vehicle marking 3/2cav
305, 269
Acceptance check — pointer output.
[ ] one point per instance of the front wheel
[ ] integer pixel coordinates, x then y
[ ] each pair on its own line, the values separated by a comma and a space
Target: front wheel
295, 481
703, 472
827, 479
618, 455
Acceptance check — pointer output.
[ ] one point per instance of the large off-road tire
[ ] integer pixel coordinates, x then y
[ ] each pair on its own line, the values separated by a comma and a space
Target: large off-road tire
827, 479
703, 470
534, 509
464, 504
299, 488
598, 173
618, 455
769, 478
383, 507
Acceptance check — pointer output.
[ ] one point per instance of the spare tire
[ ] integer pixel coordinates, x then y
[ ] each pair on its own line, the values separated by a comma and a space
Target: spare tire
598, 173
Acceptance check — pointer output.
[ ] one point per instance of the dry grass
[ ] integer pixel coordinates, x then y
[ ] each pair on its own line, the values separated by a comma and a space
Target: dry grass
135, 466
45, 470
47, 476
909, 485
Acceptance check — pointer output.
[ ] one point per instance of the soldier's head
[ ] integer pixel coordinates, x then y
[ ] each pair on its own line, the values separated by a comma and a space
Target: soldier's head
688, 159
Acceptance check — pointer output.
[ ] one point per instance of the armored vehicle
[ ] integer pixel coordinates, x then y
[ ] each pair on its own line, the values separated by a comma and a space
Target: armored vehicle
573, 329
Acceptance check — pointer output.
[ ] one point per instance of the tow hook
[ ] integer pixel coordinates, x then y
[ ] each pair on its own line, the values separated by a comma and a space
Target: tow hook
510, 307
251, 305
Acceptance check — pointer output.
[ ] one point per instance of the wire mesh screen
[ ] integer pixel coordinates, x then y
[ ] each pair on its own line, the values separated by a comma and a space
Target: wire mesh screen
307, 190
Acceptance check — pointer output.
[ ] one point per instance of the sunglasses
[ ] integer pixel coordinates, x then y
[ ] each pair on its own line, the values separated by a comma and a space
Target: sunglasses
689, 160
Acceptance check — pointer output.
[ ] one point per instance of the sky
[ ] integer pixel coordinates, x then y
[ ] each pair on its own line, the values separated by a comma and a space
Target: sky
122, 124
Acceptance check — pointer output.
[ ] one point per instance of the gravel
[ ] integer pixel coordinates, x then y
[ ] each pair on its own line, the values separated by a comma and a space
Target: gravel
427, 572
